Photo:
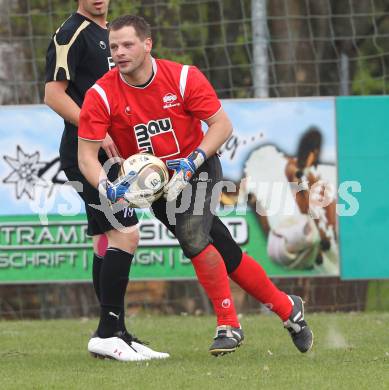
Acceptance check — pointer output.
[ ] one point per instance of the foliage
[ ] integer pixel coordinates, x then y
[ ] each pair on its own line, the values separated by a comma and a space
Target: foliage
186, 32
216, 36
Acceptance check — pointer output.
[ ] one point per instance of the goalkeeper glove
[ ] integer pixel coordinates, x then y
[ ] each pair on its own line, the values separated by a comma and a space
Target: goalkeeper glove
116, 191
139, 199
184, 169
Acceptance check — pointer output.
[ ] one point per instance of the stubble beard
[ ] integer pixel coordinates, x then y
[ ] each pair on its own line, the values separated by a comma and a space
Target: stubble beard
97, 13
128, 71
134, 68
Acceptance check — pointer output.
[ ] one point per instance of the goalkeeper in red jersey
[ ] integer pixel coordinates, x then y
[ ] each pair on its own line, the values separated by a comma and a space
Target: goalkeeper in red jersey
155, 106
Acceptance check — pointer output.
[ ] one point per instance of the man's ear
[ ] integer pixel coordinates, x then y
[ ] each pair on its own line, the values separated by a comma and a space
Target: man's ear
148, 44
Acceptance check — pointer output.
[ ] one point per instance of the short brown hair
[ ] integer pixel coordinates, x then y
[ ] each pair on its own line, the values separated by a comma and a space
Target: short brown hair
141, 27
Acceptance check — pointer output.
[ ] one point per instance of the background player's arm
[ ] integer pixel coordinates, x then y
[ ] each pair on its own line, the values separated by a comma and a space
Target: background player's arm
59, 101
57, 83
219, 130
62, 60
89, 163
92, 130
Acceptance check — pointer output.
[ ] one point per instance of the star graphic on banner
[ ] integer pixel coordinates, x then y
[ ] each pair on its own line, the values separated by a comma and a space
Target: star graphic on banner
25, 174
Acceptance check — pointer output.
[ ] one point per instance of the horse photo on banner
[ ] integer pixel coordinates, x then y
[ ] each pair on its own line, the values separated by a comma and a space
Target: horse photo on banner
281, 161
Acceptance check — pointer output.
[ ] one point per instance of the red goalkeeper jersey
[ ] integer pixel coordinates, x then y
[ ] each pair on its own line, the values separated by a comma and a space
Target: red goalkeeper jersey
162, 117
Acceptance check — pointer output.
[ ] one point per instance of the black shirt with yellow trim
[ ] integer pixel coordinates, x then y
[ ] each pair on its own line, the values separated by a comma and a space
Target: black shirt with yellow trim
79, 53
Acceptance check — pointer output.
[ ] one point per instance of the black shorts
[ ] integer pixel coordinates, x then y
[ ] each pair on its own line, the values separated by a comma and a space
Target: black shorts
100, 221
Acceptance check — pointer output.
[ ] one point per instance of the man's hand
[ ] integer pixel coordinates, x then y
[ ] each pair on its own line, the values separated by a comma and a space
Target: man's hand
184, 169
116, 191
110, 148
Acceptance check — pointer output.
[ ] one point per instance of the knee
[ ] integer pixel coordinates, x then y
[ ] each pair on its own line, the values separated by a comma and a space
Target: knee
227, 246
192, 237
126, 241
230, 252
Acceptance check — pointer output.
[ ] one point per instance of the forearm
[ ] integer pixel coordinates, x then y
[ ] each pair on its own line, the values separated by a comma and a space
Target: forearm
92, 171
219, 130
89, 163
67, 109
59, 101
214, 139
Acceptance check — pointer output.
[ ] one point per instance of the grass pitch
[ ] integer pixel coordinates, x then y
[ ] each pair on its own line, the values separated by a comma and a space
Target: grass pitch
351, 351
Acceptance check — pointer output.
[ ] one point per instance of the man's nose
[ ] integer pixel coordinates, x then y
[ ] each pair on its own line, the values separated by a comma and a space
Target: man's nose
120, 51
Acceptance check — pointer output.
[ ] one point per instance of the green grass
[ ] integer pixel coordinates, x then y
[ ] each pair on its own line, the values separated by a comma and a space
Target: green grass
351, 351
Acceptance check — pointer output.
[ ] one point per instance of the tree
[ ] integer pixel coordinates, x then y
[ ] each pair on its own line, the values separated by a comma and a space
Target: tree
315, 47
307, 47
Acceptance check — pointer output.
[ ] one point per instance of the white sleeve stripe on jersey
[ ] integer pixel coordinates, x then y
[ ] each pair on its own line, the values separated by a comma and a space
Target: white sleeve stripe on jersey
183, 77
103, 95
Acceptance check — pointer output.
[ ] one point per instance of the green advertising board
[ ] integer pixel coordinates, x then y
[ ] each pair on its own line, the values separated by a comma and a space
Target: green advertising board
61, 251
363, 163
42, 220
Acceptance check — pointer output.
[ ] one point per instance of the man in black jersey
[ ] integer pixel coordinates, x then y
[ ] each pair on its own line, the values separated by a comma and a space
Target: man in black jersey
77, 56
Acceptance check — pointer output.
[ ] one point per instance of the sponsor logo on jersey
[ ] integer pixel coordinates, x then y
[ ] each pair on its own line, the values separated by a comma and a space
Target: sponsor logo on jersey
102, 45
169, 100
157, 137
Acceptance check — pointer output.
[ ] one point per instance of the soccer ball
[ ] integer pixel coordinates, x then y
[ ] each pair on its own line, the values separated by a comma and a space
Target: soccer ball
152, 178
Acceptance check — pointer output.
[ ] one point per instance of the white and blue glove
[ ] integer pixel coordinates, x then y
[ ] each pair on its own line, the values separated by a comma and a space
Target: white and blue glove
184, 169
117, 191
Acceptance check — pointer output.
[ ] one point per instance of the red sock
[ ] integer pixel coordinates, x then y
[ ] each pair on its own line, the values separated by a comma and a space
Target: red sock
212, 275
253, 279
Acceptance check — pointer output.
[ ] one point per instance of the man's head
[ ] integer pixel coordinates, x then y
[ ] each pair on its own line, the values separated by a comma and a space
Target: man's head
93, 8
130, 43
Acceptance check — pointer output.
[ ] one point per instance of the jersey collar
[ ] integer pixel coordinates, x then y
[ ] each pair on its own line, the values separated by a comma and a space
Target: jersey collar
154, 64
92, 21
